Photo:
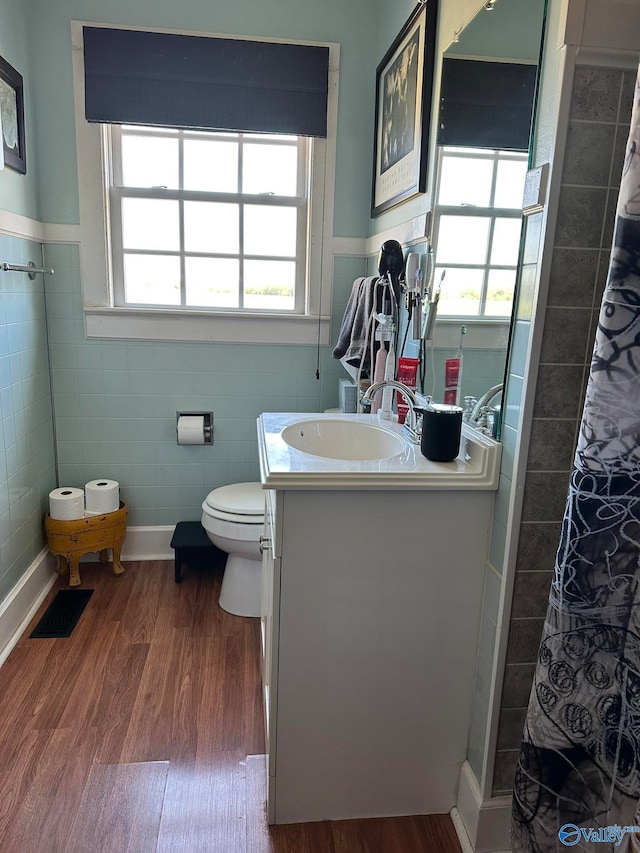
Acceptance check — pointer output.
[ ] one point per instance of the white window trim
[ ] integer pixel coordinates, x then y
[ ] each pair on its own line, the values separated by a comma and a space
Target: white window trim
102, 320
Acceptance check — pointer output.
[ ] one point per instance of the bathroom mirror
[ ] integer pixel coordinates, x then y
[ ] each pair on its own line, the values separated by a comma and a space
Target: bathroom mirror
487, 101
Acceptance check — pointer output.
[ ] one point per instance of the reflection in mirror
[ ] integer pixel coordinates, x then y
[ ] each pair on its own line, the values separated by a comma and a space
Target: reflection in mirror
476, 230
486, 110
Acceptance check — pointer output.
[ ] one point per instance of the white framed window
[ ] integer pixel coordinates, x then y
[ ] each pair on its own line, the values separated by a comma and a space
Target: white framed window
205, 235
477, 226
208, 220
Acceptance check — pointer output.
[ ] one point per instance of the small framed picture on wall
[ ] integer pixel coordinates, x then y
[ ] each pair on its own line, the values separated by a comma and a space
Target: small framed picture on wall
12, 117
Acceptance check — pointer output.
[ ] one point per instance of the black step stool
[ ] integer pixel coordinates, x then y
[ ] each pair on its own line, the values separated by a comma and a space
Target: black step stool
191, 543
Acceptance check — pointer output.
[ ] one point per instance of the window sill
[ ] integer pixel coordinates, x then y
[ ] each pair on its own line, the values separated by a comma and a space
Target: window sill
166, 325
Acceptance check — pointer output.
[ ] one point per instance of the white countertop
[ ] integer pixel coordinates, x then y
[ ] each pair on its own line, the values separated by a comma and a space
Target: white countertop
283, 467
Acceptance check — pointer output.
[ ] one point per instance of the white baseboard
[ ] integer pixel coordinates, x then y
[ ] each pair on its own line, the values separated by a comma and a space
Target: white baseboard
482, 825
144, 543
20, 606
461, 830
149, 543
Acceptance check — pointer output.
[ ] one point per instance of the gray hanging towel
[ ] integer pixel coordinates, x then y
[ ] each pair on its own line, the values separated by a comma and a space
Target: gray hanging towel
355, 333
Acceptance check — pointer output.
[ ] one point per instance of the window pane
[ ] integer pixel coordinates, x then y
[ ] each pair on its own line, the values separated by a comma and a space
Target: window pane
211, 227
461, 291
269, 284
149, 162
465, 180
506, 242
212, 282
510, 183
270, 169
152, 279
463, 239
217, 252
211, 165
150, 224
500, 289
269, 230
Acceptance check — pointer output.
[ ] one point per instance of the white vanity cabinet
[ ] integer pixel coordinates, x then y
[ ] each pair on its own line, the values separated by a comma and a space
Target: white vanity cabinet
372, 586
371, 611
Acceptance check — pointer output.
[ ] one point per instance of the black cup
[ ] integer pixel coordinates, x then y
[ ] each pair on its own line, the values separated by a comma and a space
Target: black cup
441, 430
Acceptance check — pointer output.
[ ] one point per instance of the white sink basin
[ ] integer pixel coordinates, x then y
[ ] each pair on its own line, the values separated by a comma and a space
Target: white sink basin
352, 451
342, 439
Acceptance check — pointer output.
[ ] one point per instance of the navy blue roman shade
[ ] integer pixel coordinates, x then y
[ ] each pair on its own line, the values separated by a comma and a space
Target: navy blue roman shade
167, 80
486, 104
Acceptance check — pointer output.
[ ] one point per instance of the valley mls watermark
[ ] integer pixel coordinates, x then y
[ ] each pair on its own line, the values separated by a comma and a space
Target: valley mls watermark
570, 834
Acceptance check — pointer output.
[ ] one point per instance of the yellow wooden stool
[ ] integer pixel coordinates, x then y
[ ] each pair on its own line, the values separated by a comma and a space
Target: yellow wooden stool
70, 540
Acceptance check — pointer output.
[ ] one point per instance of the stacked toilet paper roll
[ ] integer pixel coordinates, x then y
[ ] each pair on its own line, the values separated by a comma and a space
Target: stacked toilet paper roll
66, 503
101, 496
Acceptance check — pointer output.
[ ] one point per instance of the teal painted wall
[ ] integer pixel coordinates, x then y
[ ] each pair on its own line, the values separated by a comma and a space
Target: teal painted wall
509, 31
19, 193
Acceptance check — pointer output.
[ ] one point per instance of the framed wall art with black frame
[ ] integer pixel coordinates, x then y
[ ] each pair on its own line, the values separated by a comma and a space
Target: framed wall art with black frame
12, 117
404, 90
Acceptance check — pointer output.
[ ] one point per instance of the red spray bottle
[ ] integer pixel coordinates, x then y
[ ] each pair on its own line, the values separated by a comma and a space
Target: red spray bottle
453, 373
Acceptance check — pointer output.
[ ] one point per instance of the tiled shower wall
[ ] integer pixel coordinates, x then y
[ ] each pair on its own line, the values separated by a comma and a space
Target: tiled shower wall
598, 130
27, 461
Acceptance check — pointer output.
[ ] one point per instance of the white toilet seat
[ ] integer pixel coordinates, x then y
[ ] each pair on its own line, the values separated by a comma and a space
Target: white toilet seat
232, 517
237, 502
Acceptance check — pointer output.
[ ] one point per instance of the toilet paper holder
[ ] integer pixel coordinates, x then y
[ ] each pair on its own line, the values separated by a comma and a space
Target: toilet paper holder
208, 423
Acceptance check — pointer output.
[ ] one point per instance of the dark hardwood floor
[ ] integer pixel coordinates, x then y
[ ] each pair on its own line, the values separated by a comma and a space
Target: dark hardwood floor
143, 732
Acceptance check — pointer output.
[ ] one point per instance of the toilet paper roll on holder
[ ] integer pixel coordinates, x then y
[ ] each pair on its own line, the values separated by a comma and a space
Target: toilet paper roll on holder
207, 424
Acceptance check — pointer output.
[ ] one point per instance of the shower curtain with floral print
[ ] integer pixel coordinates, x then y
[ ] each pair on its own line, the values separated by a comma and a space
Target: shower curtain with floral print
578, 778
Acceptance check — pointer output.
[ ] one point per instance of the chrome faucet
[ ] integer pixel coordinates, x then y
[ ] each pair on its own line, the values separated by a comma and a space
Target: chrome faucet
412, 426
480, 412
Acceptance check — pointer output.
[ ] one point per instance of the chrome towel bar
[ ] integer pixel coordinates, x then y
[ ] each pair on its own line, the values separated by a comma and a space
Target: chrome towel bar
30, 268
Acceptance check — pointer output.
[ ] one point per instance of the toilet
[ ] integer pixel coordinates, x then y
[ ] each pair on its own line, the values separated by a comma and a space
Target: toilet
233, 517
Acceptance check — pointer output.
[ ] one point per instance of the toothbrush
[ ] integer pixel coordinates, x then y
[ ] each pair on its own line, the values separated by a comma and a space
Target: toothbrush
386, 411
378, 376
